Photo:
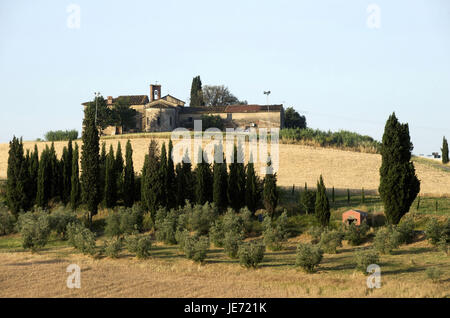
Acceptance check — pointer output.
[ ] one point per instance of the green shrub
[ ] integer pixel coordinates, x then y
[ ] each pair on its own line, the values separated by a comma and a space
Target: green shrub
231, 243
251, 254
34, 229
180, 236
436, 232
147, 222
355, 234
330, 241
386, 240
365, 258
196, 247
308, 201
315, 232
59, 219
217, 234
6, 222
232, 222
139, 245
166, 226
81, 238
308, 256
274, 236
112, 247
434, 274
124, 221
58, 135
202, 217
406, 231
246, 216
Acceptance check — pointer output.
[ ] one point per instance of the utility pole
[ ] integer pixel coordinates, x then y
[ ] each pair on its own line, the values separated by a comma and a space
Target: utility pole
97, 95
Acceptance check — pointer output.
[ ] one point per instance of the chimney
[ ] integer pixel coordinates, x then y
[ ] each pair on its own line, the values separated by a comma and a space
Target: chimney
155, 92
110, 100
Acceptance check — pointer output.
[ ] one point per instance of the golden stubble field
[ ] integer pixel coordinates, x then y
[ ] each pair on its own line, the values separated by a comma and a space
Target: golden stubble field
297, 164
169, 274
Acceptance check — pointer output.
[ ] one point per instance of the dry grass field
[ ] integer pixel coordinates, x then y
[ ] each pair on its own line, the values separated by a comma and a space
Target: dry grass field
299, 164
168, 274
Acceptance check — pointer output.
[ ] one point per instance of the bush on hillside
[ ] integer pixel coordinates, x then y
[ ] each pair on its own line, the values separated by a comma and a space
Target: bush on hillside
112, 247
166, 226
363, 259
275, 235
386, 239
81, 238
231, 243
34, 229
355, 234
331, 240
406, 231
251, 254
58, 135
196, 248
59, 219
139, 245
435, 231
308, 256
217, 234
7, 221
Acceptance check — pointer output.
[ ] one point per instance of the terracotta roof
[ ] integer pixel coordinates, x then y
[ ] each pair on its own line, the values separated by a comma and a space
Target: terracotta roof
165, 97
357, 211
232, 109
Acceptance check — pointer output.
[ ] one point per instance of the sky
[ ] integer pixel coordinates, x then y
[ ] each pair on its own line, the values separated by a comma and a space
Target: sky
344, 64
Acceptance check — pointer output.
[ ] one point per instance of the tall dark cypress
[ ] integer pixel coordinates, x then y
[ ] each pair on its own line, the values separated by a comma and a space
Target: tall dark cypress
110, 195
119, 166
56, 173
163, 174
171, 190
75, 192
196, 93
240, 176
128, 178
102, 171
17, 178
188, 179
399, 184
444, 150
33, 173
251, 188
322, 207
233, 183
204, 182
90, 158
44, 178
220, 179
152, 182
67, 172
270, 191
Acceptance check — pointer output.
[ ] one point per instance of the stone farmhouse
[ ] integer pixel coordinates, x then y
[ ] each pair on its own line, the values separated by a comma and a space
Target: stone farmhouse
163, 114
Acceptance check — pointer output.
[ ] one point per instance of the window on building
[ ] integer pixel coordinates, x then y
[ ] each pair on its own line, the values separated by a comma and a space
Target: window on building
229, 116
158, 120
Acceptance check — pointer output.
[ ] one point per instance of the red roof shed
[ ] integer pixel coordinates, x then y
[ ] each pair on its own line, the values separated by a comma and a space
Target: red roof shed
354, 216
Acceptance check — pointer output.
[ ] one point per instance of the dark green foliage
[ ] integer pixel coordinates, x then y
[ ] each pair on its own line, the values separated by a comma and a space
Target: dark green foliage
315, 232
110, 194
348, 196
58, 135
435, 231
252, 194
45, 174
216, 233
219, 95
196, 93
330, 240
399, 184
112, 247
66, 161
332, 195
140, 245
355, 235
363, 197
342, 138
211, 121
184, 182
270, 192
322, 207
196, 247
204, 181
124, 221
102, 173
55, 176
386, 239
251, 254
34, 229
33, 174
220, 179
406, 231
308, 256
202, 217
292, 119
122, 114
118, 167
17, 178
90, 187
128, 178
444, 150
75, 192
81, 238
231, 242
308, 200
7, 221
152, 181
163, 176
364, 258
60, 219
170, 178
166, 225
275, 233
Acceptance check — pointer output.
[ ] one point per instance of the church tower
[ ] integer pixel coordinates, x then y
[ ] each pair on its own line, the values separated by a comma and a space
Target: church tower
155, 92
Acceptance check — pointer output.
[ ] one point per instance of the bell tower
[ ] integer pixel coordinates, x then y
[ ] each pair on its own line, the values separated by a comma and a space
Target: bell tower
155, 92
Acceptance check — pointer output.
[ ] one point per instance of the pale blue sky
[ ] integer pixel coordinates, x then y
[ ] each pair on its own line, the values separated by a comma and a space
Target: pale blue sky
318, 56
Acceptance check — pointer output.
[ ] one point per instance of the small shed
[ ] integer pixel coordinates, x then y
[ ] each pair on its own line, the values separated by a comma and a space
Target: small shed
354, 216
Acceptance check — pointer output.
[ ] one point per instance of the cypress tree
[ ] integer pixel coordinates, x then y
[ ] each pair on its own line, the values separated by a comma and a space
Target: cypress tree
233, 183
75, 192
363, 197
322, 207
90, 158
219, 179
333, 195
33, 173
204, 182
188, 179
152, 185
251, 186
119, 166
444, 150
348, 196
270, 191
44, 179
102, 171
171, 192
55, 176
110, 180
196, 92
240, 177
399, 184
17, 178
179, 180
128, 179
144, 198
163, 172
67, 172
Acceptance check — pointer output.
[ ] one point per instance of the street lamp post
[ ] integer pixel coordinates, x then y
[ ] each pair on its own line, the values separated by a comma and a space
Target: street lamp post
97, 95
